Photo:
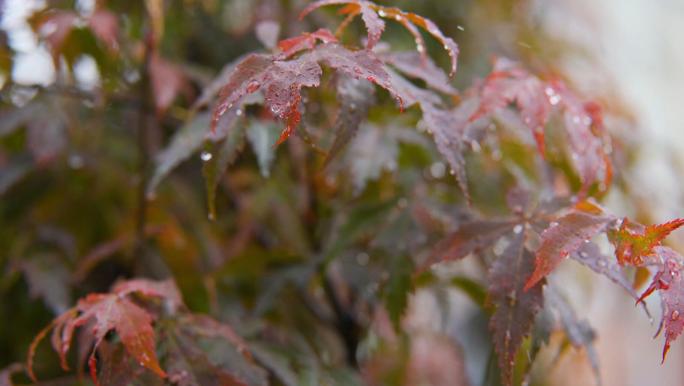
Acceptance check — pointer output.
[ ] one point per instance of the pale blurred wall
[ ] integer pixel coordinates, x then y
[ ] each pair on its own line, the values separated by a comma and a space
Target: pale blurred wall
635, 48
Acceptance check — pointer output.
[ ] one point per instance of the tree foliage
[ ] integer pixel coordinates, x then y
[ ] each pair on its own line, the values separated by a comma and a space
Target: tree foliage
323, 211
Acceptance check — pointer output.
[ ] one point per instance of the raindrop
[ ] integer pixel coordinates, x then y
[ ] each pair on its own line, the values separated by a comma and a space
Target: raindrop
238, 112
675, 315
517, 229
252, 86
382, 13
206, 156
437, 170
460, 28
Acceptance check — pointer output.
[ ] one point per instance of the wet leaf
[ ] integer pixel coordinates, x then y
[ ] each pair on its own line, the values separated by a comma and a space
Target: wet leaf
563, 237
355, 98
185, 142
515, 307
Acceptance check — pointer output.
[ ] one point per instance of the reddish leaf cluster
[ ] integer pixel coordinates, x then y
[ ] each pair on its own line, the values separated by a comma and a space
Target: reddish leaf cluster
535, 99
111, 312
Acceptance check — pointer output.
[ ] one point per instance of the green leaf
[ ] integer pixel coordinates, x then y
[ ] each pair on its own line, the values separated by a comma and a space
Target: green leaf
184, 143
221, 155
262, 137
398, 288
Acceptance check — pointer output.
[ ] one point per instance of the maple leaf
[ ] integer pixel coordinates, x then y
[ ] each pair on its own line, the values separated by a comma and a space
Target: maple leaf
282, 80
469, 238
355, 98
111, 312
588, 145
305, 41
199, 351
633, 242
565, 236
510, 83
416, 66
578, 331
371, 14
515, 307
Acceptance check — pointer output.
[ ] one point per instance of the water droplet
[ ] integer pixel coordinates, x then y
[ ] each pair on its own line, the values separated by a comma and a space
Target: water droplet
238, 112
460, 28
252, 86
554, 99
517, 229
382, 13
452, 172
584, 256
206, 156
675, 315
437, 170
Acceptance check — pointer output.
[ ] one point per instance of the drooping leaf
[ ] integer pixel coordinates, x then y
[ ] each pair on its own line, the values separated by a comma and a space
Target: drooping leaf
563, 237
48, 278
578, 331
398, 288
515, 307
591, 256
185, 142
222, 155
470, 237
262, 137
633, 242
372, 151
355, 97
416, 66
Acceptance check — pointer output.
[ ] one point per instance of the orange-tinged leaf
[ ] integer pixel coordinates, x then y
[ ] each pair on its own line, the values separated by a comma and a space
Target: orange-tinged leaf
633, 242
305, 41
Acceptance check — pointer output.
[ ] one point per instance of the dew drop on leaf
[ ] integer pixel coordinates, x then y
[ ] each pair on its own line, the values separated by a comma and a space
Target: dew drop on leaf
253, 86
206, 156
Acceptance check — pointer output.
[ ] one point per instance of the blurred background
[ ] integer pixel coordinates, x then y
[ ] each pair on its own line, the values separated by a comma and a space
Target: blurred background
625, 53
